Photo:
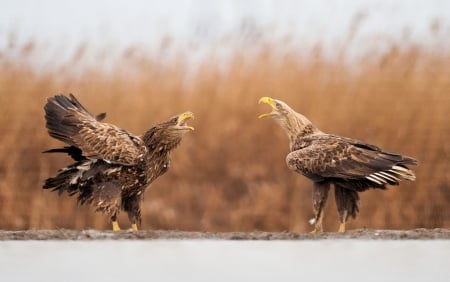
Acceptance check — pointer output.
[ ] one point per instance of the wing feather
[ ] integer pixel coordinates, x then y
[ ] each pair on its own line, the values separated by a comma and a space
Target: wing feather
329, 156
70, 122
100, 140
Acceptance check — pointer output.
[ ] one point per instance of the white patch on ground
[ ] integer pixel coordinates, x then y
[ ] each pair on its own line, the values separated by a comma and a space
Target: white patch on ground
215, 260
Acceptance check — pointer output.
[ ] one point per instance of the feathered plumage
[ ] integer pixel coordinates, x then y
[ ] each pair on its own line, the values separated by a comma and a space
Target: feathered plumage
112, 167
352, 166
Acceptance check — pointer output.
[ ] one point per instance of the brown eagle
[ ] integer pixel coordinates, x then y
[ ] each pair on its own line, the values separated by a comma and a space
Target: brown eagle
112, 167
352, 166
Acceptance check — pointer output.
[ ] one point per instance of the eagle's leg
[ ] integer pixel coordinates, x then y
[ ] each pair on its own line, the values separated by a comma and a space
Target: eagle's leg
320, 196
115, 224
106, 197
131, 204
347, 203
342, 219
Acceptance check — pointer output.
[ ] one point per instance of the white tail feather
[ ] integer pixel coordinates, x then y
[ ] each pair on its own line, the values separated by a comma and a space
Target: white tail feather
371, 178
400, 168
389, 176
404, 173
382, 176
377, 177
395, 174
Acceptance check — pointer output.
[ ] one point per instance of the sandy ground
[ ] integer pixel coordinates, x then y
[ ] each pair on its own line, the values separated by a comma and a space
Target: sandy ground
66, 234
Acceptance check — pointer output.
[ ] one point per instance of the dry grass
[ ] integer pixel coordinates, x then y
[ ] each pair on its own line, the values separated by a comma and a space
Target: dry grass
230, 173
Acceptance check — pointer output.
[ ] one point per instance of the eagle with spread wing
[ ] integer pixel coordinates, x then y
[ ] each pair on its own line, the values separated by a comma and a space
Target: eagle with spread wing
112, 167
352, 166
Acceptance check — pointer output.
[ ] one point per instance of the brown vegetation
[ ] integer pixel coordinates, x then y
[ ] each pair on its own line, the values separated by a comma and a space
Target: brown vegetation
230, 173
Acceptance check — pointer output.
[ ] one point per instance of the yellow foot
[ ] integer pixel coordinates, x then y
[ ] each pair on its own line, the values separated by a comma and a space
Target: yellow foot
316, 231
115, 226
134, 227
341, 228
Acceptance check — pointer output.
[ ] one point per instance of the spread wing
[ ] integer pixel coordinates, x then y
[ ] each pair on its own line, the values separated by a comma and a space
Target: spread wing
329, 156
68, 121
105, 141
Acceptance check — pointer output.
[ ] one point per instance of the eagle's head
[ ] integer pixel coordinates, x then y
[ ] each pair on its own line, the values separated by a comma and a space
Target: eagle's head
167, 135
176, 127
280, 110
178, 123
292, 122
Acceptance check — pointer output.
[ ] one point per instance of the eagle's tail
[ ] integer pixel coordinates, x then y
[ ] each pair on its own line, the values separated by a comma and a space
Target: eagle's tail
403, 171
397, 172
83, 178
65, 181
63, 114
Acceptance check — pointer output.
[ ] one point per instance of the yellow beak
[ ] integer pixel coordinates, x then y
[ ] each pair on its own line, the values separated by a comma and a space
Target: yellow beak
269, 101
183, 118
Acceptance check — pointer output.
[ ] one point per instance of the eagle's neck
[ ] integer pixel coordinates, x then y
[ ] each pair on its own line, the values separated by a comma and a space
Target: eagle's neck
160, 140
297, 126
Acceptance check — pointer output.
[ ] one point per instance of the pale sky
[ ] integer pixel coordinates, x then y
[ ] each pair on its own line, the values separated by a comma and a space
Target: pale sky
60, 26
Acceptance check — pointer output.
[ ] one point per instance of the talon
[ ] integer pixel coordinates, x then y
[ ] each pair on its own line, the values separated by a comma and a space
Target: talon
341, 228
115, 226
134, 227
316, 231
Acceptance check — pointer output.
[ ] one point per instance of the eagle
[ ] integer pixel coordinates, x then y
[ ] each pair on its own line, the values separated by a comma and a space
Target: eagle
112, 167
352, 166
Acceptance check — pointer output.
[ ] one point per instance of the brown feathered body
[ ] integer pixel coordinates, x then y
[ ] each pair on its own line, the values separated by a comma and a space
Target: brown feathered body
351, 165
112, 167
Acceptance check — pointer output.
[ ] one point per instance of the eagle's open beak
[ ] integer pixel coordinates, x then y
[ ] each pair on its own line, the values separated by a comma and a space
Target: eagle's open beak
183, 118
269, 101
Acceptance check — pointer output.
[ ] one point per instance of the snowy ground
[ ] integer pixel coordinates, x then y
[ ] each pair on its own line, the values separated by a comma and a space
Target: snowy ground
359, 255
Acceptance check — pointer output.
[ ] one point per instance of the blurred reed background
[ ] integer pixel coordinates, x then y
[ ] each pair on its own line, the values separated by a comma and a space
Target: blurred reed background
230, 173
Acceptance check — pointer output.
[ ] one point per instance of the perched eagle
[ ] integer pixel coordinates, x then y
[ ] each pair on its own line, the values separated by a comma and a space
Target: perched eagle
352, 166
112, 167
